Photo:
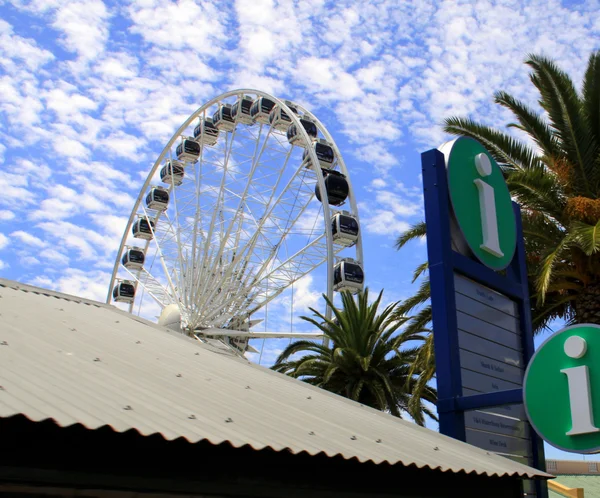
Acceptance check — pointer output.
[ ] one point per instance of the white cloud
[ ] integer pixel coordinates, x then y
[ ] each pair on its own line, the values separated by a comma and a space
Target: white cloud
28, 261
392, 211
70, 147
28, 239
397, 204
383, 222
304, 295
68, 104
15, 48
3, 241
84, 26
328, 77
88, 284
54, 256
123, 145
118, 66
377, 155
181, 25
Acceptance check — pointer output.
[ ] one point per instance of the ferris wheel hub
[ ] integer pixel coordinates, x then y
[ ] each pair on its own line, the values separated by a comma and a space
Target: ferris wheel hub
170, 317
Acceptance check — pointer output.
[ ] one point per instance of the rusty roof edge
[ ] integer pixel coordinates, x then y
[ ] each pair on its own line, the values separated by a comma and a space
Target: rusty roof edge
530, 475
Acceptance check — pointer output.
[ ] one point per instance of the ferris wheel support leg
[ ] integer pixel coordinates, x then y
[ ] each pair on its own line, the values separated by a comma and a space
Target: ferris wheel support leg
328, 310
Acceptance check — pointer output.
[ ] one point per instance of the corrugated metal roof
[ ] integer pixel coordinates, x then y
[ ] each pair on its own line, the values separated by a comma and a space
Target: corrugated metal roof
80, 362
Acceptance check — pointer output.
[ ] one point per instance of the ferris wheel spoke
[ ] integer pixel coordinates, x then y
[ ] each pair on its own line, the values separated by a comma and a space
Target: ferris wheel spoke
177, 251
225, 234
283, 211
238, 252
231, 252
217, 211
153, 287
291, 270
160, 254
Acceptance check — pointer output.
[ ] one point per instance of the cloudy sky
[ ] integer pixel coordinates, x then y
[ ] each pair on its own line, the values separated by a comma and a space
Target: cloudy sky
91, 91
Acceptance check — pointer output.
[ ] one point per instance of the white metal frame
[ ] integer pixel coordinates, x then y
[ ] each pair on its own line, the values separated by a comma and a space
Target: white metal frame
217, 271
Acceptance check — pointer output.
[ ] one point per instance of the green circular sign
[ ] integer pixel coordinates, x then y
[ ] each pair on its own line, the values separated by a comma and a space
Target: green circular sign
481, 202
561, 389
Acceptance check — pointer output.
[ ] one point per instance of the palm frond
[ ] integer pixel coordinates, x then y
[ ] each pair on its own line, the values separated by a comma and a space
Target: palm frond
560, 100
591, 106
419, 270
530, 122
420, 297
416, 231
506, 150
537, 189
420, 320
547, 266
586, 236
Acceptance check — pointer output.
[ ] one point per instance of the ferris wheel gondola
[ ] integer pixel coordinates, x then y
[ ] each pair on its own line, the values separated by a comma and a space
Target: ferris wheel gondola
172, 173
206, 133
323, 151
295, 137
240, 112
133, 258
242, 215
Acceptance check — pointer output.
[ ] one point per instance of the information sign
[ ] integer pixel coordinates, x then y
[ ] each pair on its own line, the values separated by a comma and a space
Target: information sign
562, 389
481, 318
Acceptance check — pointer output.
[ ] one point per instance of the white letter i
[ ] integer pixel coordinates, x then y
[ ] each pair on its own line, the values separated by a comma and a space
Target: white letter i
487, 206
582, 415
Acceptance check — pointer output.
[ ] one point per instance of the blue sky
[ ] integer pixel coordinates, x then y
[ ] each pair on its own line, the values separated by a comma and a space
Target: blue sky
90, 92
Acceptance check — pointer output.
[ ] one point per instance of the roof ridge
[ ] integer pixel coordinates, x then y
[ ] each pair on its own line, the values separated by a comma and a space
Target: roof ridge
13, 284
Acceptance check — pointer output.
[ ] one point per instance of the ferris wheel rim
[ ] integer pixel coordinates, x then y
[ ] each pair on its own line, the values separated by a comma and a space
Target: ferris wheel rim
295, 119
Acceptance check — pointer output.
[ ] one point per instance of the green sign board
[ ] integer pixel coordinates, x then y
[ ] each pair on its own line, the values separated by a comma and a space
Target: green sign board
561, 389
481, 202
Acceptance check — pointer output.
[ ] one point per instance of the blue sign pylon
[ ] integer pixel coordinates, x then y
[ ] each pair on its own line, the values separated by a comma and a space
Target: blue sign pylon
444, 264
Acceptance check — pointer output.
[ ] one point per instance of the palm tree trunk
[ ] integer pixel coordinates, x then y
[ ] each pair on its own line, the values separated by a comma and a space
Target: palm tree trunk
587, 305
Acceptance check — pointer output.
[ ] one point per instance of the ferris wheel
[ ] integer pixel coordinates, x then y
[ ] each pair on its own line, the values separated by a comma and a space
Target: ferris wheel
249, 195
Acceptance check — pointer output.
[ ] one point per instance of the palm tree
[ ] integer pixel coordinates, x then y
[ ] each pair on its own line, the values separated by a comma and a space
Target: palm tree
368, 360
556, 180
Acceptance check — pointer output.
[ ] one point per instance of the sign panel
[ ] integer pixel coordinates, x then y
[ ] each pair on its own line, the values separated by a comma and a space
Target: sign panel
474, 344
516, 411
491, 360
562, 389
484, 383
485, 295
488, 331
486, 313
488, 422
499, 444
493, 368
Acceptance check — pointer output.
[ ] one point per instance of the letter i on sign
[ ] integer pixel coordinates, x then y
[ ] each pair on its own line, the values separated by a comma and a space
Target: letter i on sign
578, 378
487, 206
